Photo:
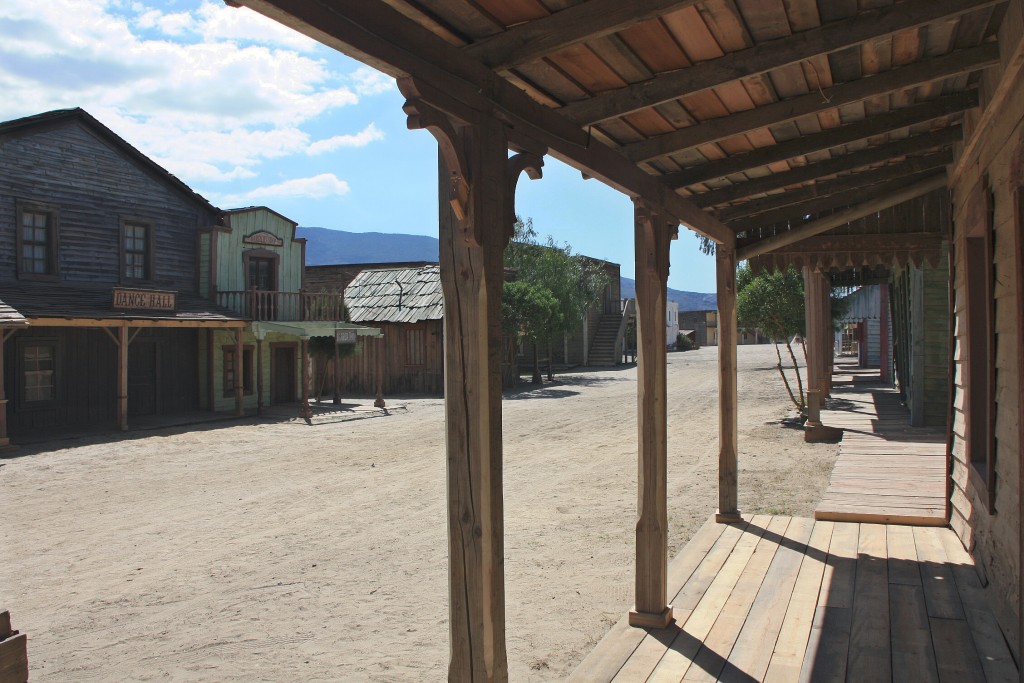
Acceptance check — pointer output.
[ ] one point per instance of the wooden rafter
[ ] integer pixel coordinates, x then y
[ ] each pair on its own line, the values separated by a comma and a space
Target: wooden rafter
911, 241
378, 35
766, 56
847, 162
834, 137
796, 212
575, 24
714, 130
822, 225
759, 207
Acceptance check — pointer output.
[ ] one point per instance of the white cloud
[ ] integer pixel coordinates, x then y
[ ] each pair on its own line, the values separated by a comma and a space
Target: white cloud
316, 187
218, 93
364, 137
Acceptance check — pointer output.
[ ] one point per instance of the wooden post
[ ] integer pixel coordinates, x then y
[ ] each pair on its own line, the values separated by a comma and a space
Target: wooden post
305, 411
239, 386
827, 337
5, 442
885, 366
381, 350
728, 425
652, 236
813, 290
122, 377
335, 374
259, 375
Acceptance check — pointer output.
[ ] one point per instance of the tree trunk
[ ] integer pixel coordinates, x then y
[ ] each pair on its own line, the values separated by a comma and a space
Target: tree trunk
799, 382
537, 379
551, 374
785, 380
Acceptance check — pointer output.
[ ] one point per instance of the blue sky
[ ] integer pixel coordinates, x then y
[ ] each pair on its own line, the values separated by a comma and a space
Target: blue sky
248, 112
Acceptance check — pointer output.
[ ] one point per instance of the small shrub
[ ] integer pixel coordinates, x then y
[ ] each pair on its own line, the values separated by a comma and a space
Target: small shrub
684, 343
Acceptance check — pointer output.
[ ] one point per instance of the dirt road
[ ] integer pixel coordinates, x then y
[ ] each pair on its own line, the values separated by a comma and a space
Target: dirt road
279, 551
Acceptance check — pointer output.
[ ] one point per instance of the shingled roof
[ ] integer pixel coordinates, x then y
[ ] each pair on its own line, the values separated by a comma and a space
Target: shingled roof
395, 295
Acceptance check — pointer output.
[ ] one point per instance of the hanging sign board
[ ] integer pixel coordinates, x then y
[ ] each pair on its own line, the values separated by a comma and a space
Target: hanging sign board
345, 336
265, 238
144, 299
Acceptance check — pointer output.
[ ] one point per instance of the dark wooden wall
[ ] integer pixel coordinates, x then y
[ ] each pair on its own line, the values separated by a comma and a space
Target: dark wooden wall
86, 377
359, 372
93, 184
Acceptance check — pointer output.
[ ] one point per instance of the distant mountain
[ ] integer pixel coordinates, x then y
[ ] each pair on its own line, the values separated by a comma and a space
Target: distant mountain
328, 247
688, 301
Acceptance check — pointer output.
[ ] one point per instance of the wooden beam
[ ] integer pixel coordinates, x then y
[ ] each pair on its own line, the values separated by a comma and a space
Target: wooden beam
795, 214
575, 24
378, 35
766, 56
728, 425
825, 188
118, 322
5, 441
901, 78
259, 376
846, 162
910, 241
828, 223
239, 366
828, 139
305, 411
122, 377
652, 241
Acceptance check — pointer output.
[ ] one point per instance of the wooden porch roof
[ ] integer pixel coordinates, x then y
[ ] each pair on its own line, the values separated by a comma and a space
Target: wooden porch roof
746, 117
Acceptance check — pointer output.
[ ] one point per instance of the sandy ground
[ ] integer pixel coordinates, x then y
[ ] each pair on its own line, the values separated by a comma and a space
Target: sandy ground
280, 551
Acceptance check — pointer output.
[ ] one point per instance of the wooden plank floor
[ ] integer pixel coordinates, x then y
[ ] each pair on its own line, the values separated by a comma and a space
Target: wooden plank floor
887, 472
788, 599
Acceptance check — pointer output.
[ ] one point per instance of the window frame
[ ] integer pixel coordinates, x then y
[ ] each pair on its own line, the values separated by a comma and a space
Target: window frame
978, 245
21, 368
24, 206
136, 221
248, 382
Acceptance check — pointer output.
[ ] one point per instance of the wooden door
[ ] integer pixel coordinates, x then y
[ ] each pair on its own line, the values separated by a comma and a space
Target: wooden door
283, 377
143, 378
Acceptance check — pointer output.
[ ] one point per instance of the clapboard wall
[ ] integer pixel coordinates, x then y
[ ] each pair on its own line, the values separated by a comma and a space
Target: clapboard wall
94, 183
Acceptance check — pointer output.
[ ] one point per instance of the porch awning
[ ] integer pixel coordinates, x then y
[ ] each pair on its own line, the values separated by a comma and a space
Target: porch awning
864, 304
309, 328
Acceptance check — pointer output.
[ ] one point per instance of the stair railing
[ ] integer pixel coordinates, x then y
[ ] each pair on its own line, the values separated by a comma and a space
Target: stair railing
628, 311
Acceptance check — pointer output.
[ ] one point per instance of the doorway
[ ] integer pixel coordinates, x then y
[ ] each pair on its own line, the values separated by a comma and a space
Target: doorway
143, 377
282, 373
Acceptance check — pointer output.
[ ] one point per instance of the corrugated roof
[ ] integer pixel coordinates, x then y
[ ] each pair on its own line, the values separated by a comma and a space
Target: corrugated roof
80, 300
864, 304
395, 295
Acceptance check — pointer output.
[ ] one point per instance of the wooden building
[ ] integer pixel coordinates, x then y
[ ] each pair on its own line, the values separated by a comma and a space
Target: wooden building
254, 265
848, 139
101, 313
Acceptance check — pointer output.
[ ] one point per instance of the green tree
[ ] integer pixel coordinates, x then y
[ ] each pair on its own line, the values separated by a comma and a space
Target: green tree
528, 311
574, 281
774, 303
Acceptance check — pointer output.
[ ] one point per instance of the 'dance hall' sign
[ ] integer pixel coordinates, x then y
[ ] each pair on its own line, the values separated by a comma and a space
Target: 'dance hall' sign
147, 299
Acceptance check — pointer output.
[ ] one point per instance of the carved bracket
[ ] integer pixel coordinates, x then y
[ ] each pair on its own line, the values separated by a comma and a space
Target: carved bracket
523, 162
659, 229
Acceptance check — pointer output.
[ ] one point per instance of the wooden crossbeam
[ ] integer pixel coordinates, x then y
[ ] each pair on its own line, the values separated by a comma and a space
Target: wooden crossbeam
714, 130
861, 130
847, 162
842, 218
825, 188
796, 211
911, 241
575, 24
380, 36
766, 56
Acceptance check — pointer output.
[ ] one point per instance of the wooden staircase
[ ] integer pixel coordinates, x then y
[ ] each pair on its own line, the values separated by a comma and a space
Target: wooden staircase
605, 348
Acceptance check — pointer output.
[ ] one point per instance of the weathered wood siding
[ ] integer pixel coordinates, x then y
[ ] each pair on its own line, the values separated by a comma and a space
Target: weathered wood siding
231, 246
993, 539
225, 339
359, 371
93, 185
86, 377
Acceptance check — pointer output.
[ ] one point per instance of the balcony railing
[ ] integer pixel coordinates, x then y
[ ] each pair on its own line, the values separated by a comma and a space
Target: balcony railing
284, 306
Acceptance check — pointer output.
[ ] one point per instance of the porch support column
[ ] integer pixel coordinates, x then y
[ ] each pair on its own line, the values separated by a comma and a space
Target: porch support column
305, 411
239, 365
652, 232
728, 426
259, 376
5, 442
122, 377
476, 189
378, 401
884, 365
813, 291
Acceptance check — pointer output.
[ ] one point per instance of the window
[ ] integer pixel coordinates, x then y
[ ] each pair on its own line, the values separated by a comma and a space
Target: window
415, 346
38, 367
37, 241
979, 377
136, 242
230, 368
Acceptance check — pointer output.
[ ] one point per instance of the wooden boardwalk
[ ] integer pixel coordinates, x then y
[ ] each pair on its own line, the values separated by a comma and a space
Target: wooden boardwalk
887, 472
790, 599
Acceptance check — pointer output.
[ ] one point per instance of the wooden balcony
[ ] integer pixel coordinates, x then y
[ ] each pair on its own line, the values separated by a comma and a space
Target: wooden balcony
790, 599
284, 306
